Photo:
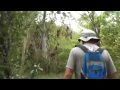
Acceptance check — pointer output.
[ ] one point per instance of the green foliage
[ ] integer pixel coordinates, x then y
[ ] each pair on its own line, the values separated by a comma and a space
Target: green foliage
24, 31
21, 32
16, 28
110, 38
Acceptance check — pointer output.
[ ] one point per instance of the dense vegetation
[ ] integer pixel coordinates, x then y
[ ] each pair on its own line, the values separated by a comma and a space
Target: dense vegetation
32, 45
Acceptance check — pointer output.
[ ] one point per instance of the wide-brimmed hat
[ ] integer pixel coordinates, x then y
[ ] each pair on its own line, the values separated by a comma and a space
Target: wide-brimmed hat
86, 35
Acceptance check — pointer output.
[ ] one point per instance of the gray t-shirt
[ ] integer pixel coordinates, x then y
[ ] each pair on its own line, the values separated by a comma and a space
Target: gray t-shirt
75, 59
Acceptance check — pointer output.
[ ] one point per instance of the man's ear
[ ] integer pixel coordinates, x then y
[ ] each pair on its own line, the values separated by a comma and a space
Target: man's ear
79, 40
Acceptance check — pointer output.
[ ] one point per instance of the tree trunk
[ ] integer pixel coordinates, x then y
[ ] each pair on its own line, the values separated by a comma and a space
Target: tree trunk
95, 25
44, 38
4, 44
25, 47
44, 45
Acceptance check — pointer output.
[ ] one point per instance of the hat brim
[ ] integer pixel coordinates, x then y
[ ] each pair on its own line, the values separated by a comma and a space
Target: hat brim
88, 38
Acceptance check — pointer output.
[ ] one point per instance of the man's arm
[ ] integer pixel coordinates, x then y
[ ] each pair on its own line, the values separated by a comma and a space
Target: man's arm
111, 69
68, 73
70, 65
112, 76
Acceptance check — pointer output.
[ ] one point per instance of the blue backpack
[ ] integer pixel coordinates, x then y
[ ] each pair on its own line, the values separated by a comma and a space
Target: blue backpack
94, 66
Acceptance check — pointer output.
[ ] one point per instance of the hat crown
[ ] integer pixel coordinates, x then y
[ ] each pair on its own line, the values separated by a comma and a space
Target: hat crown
86, 35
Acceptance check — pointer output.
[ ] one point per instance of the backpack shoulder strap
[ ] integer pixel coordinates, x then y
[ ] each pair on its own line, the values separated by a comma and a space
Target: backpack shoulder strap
82, 47
100, 50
